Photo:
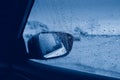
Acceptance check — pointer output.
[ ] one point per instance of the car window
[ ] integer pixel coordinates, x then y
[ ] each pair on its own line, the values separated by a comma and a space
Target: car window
95, 22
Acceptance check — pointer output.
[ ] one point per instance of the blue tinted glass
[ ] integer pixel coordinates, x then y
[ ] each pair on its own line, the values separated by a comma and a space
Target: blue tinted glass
49, 43
95, 22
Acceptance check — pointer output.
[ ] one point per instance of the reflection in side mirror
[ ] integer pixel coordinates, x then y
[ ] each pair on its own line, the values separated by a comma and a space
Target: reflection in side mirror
46, 45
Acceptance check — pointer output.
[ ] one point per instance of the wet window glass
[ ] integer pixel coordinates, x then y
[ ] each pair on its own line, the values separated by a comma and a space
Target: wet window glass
95, 22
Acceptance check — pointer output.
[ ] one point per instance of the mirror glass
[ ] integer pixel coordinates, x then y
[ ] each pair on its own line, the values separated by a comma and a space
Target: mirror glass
50, 44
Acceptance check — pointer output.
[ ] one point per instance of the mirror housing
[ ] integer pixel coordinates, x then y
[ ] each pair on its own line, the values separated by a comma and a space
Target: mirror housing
48, 45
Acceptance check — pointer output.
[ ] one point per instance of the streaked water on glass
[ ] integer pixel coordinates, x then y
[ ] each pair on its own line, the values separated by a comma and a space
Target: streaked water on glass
95, 22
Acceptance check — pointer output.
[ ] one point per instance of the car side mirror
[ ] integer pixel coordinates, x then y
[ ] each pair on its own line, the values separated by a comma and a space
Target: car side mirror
48, 45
